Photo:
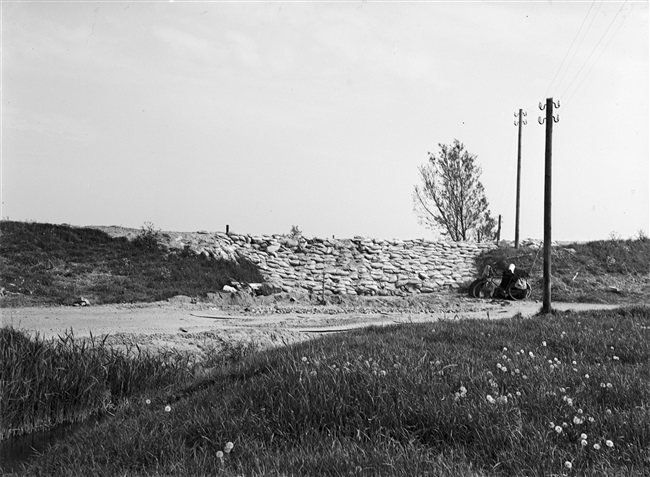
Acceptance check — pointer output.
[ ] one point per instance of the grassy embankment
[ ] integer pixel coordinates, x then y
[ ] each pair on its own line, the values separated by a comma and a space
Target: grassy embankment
564, 394
45, 264
604, 271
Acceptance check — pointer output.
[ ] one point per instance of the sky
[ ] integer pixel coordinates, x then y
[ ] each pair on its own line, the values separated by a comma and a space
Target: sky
267, 115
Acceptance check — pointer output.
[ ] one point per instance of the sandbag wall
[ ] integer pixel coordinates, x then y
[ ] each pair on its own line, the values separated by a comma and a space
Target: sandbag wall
358, 266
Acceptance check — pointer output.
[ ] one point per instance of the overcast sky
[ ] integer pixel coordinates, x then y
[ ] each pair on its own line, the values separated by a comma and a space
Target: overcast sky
194, 115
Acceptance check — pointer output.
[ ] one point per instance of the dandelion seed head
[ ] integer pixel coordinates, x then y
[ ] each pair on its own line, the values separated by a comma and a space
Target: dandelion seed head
568, 464
304, 359
148, 401
583, 436
558, 429
583, 443
220, 455
591, 419
596, 446
168, 408
586, 376
608, 412
609, 443
609, 385
228, 448
530, 353
543, 343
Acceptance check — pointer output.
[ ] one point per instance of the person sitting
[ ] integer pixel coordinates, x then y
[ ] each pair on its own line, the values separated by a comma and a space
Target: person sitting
508, 276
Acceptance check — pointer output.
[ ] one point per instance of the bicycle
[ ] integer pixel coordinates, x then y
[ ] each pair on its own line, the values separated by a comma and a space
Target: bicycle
490, 285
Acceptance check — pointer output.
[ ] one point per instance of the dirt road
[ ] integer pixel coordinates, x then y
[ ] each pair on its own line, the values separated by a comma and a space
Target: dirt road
199, 326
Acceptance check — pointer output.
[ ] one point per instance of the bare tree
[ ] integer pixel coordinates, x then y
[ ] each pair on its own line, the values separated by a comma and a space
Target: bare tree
451, 198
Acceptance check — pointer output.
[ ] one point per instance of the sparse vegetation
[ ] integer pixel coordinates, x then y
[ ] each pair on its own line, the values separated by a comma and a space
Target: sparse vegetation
45, 264
538, 396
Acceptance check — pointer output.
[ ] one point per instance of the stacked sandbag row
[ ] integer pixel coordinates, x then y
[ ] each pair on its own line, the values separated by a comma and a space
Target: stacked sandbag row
359, 266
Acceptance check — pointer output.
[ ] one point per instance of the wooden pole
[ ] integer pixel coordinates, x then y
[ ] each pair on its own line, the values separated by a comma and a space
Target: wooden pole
499, 231
546, 304
518, 180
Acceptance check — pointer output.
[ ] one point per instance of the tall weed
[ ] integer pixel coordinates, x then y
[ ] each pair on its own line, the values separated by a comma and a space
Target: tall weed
49, 382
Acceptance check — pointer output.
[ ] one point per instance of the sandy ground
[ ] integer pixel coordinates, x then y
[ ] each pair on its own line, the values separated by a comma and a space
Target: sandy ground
186, 326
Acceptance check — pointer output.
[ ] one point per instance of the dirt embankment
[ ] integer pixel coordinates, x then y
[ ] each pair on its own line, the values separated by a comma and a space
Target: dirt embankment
262, 322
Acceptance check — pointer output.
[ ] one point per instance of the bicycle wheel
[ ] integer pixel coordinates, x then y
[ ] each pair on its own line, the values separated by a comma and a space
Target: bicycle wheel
518, 293
484, 289
472, 286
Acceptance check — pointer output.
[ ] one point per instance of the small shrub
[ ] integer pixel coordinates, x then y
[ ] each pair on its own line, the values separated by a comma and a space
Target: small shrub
295, 233
149, 237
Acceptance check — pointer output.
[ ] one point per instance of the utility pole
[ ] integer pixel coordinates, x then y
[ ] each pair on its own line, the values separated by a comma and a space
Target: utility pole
550, 119
519, 123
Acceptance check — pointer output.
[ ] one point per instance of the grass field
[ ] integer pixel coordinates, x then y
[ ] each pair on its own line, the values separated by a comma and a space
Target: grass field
565, 394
